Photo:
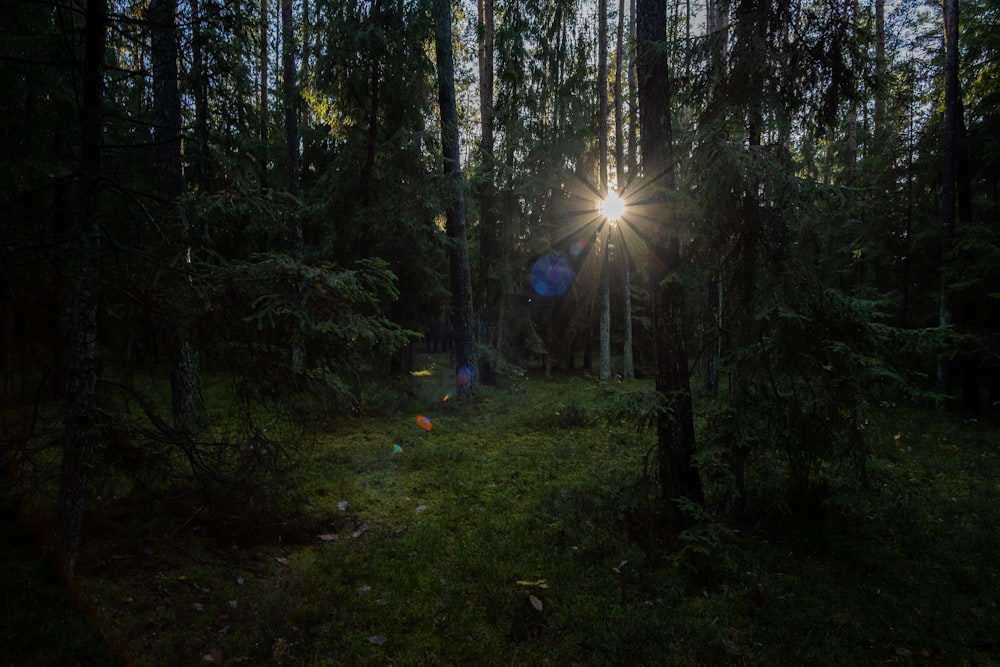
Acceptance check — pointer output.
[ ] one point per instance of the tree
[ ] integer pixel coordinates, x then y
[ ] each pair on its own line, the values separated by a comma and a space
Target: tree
602, 184
628, 365
489, 297
291, 104
949, 175
185, 378
83, 344
461, 278
264, 93
679, 477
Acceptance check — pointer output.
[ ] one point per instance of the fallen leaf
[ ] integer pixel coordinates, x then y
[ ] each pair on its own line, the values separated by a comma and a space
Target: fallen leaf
362, 529
328, 537
903, 651
535, 602
213, 657
342, 505
278, 649
378, 640
421, 508
540, 583
282, 560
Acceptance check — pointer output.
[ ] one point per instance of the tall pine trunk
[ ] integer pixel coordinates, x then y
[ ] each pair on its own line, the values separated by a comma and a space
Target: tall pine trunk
291, 103
82, 334
679, 478
461, 277
490, 307
948, 180
602, 185
262, 85
185, 373
628, 365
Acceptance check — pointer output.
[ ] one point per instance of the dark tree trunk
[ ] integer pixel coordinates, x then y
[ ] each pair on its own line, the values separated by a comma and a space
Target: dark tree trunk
948, 181
82, 334
199, 82
489, 295
291, 102
374, 90
712, 339
264, 97
461, 278
628, 365
602, 185
679, 478
185, 377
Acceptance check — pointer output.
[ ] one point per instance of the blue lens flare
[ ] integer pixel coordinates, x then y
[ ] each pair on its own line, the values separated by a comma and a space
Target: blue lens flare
551, 276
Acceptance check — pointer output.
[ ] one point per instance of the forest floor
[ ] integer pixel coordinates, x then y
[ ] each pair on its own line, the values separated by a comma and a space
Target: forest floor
512, 534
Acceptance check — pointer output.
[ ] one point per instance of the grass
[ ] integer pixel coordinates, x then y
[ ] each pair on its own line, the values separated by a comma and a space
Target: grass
504, 537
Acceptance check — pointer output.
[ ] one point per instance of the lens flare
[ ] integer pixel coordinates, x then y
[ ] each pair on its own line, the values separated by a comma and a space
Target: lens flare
551, 276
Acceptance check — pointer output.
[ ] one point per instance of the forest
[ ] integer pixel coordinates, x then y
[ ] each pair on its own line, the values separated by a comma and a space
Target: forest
511, 332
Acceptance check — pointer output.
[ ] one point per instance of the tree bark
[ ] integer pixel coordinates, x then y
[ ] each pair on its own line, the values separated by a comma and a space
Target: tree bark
602, 184
82, 334
263, 92
185, 377
199, 77
628, 364
291, 103
679, 478
948, 181
489, 298
461, 277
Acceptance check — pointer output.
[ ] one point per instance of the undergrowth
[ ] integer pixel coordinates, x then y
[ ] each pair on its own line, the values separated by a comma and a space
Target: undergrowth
521, 530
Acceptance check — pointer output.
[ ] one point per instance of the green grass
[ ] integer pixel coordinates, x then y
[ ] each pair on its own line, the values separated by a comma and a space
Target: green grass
439, 554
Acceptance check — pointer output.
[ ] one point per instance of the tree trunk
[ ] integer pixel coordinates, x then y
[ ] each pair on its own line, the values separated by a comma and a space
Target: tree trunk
461, 278
712, 340
185, 378
628, 365
264, 97
199, 81
948, 180
367, 172
679, 478
291, 102
489, 297
633, 113
82, 334
602, 184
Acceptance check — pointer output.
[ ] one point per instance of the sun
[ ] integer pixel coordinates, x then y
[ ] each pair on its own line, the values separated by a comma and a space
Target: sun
613, 206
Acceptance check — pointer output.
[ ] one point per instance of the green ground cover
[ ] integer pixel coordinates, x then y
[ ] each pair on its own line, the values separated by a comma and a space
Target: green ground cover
511, 534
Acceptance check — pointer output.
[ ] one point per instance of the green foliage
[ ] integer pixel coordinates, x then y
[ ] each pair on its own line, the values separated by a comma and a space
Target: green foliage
338, 316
